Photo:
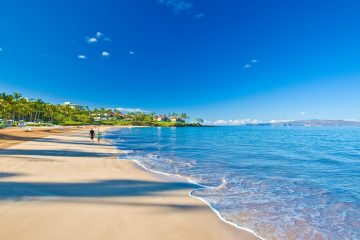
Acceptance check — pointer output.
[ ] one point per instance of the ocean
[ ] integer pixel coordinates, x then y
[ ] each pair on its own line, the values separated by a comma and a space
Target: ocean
279, 182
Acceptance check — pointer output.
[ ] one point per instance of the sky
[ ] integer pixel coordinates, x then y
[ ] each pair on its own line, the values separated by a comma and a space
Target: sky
230, 60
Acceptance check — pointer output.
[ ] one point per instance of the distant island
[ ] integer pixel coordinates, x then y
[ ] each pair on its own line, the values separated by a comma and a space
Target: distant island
16, 110
317, 122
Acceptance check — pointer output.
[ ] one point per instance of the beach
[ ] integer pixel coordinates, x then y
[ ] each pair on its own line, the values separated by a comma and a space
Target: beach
13, 136
58, 185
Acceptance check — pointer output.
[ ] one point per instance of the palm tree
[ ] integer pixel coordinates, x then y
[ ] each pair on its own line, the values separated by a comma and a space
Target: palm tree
199, 120
15, 107
184, 116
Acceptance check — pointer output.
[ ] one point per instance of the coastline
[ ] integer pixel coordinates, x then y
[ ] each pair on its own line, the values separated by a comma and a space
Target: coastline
14, 135
60, 186
172, 177
178, 178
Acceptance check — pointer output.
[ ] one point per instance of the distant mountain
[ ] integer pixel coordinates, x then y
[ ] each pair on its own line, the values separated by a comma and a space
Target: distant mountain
318, 122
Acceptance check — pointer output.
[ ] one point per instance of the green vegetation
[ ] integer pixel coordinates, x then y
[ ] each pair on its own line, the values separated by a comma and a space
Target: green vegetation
16, 110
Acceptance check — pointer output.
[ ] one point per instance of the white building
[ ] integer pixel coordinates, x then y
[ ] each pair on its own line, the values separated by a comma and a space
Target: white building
72, 105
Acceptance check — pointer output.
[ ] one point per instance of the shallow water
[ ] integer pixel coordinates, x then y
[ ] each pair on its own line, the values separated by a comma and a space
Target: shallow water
283, 183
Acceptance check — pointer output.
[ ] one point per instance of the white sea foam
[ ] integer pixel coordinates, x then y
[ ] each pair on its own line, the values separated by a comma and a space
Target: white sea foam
192, 181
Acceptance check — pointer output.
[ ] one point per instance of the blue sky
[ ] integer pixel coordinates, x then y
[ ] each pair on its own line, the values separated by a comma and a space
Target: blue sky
215, 59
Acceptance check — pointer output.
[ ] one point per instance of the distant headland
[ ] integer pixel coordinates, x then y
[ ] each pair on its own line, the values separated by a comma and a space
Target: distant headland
315, 122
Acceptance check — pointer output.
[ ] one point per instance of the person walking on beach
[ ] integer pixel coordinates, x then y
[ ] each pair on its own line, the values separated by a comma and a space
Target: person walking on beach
99, 135
92, 135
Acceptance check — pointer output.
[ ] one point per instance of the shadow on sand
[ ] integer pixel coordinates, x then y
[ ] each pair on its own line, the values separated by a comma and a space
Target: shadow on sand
91, 192
52, 153
54, 140
40, 139
6, 175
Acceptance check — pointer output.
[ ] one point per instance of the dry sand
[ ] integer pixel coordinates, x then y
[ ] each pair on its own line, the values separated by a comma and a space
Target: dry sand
12, 136
63, 187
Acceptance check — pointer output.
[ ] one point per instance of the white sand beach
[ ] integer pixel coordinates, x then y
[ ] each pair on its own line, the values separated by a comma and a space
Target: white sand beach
63, 187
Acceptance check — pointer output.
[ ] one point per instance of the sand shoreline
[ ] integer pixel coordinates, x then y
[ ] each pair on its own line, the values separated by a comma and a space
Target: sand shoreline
62, 187
175, 178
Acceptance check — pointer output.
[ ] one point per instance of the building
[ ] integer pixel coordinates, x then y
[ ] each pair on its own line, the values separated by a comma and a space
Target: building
101, 116
161, 119
176, 119
107, 116
72, 105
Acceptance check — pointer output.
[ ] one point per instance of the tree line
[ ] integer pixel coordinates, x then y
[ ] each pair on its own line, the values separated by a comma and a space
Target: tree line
15, 108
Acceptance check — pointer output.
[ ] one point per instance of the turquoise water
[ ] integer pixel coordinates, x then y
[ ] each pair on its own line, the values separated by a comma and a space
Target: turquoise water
282, 183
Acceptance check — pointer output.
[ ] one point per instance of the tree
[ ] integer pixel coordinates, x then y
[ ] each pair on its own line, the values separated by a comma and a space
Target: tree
199, 120
184, 116
16, 108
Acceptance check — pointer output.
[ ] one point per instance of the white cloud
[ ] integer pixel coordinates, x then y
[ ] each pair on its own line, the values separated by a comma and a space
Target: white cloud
81, 56
302, 113
200, 15
131, 52
280, 121
178, 6
243, 121
99, 34
130, 109
251, 63
105, 54
92, 40
236, 122
352, 119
